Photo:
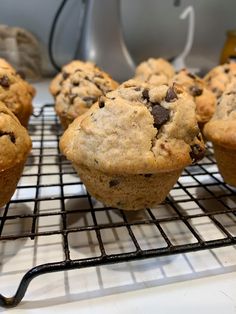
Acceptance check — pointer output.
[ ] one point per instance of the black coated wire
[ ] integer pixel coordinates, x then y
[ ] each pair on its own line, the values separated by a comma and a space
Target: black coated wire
51, 35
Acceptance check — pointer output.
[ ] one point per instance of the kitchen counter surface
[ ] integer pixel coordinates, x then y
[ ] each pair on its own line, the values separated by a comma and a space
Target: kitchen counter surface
198, 282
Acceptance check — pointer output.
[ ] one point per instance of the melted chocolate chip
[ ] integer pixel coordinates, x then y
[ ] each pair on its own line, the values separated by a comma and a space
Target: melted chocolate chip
21, 74
72, 97
101, 102
191, 75
4, 81
100, 87
195, 91
217, 92
148, 175
197, 153
10, 134
171, 95
226, 71
160, 114
145, 94
113, 183
89, 99
65, 75
231, 93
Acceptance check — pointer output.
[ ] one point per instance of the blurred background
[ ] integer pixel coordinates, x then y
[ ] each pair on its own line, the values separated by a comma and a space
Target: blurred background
151, 28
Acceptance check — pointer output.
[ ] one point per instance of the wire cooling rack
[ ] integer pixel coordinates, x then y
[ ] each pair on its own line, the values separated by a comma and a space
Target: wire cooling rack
199, 213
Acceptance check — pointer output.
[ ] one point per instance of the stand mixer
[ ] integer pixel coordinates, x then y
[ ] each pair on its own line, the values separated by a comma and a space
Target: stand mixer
102, 40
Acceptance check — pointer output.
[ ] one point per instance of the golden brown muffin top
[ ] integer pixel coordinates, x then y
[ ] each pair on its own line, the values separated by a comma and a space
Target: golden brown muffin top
219, 77
15, 92
81, 90
15, 142
154, 71
134, 129
221, 129
205, 99
56, 84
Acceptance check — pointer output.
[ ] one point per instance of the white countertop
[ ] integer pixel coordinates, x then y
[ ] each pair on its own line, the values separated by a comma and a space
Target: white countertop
199, 282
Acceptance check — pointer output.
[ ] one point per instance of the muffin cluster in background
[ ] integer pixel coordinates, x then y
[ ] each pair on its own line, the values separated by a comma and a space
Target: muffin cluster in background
130, 142
130, 145
77, 88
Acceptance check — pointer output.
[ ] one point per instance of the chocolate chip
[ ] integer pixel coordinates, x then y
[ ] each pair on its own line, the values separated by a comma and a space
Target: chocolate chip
72, 97
99, 87
231, 93
160, 114
113, 183
65, 75
171, 95
101, 102
226, 71
89, 99
197, 153
4, 81
76, 83
21, 74
195, 91
12, 137
148, 175
145, 94
10, 134
217, 92
192, 76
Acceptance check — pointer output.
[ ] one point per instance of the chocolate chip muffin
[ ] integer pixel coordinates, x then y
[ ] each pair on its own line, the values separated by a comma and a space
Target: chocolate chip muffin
219, 77
221, 130
205, 99
15, 145
130, 148
55, 86
15, 92
79, 91
154, 71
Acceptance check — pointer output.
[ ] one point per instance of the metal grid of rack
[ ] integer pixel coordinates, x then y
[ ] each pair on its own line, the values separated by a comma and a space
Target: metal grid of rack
199, 213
